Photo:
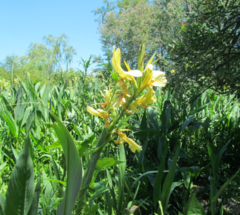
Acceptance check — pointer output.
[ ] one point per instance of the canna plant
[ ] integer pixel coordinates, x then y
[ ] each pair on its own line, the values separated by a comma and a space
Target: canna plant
133, 89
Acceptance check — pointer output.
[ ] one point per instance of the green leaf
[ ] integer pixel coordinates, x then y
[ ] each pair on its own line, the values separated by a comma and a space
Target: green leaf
54, 145
55, 168
107, 162
10, 121
21, 186
186, 123
114, 76
83, 147
143, 125
48, 190
26, 115
74, 168
30, 120
3, 165
100, 192
19, 110
199, 109
122, 169
195, 207
143, 133
158, 182
2, 204
219, 155
165, 116
16, 155
55, 180
34, 207
214, 200
168, 182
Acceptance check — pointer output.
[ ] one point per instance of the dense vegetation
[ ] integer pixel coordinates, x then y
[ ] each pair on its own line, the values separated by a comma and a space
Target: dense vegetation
62, 149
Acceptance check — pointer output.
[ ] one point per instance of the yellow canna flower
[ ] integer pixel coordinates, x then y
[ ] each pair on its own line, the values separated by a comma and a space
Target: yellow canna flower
153, 78
123, 138
147, 98
100, 113
107, 98
116, 63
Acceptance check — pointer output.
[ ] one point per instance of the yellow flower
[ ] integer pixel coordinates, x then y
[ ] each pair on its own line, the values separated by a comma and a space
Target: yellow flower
100, 113
147, 98
123, 138
116, 63
153, 78
107, 98
172, 71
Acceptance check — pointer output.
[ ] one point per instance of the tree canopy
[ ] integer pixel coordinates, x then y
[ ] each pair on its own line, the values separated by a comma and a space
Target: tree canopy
208, 51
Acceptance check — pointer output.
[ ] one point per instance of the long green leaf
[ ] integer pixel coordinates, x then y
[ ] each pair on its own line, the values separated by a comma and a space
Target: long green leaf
34, 207
158, 182
214, 200
74, 168
21, 186
2, 204
19, 110
10, 121
168, 182
122, 168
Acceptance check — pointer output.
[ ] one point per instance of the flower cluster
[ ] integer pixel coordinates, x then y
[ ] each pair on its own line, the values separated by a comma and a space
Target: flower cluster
134, 89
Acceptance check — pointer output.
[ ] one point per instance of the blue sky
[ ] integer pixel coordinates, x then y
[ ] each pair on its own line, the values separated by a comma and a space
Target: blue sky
25, 21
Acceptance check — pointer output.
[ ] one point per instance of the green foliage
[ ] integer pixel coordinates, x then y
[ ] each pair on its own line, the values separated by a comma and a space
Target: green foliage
208, 50
120, 182
189, 138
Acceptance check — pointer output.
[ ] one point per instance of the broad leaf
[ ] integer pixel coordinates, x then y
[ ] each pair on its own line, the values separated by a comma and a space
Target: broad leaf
34, 207
107, 162
21, 186
74, 168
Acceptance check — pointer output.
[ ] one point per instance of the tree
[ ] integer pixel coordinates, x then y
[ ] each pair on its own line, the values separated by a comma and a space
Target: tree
208, 52
127, 23
61, 51
41, 60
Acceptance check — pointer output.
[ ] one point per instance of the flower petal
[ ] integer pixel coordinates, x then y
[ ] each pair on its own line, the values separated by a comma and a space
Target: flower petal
160, 82
92, 111
103, 114
157, 74
134, 73
132, 144
134, 109
150, 66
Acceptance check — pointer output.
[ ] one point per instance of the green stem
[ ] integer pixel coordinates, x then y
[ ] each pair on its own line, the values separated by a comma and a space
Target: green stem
103, 140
